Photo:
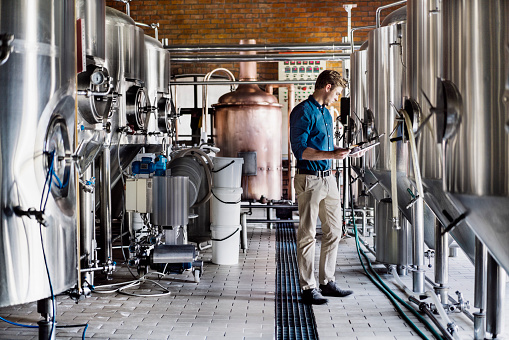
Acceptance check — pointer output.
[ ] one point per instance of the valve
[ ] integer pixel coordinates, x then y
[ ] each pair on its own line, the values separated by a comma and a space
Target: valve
429, 254
414, 199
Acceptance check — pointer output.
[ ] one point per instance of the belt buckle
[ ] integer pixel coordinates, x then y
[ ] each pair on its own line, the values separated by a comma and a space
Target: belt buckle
325, 173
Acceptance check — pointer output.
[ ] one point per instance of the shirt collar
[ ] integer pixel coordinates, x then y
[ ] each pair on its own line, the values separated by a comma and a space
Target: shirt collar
315, 103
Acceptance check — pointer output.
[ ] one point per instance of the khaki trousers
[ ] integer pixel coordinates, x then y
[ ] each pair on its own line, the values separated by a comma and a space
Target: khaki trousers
317, 197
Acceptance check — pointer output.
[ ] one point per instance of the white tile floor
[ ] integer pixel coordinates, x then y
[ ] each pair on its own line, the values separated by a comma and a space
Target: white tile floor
236, 302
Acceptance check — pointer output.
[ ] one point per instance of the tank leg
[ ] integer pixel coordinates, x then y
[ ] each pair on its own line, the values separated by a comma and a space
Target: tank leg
45, 308
495, 297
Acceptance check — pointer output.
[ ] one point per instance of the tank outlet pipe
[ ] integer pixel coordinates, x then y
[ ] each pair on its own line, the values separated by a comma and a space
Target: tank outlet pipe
89, 93
379, 9
418, 227
424, 307
451, 326
154, 26
357, 29
5, 48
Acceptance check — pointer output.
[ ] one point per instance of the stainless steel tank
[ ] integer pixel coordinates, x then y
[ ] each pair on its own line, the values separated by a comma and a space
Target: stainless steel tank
157, 63
424, 41
249, 120
37, 124
475, 95
93, 14
386, 85
393, 246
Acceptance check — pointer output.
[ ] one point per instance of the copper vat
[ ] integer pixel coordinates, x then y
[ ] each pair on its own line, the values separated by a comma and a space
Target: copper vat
249, 120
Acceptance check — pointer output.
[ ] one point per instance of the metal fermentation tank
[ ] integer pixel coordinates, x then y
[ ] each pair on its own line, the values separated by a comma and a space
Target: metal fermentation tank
424, 41
249, 120
37, 124
475, 96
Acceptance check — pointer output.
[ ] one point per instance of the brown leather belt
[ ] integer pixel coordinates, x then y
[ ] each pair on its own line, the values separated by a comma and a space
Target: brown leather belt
319, 173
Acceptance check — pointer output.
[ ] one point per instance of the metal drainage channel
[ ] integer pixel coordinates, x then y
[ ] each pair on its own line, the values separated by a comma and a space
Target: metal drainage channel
294, 319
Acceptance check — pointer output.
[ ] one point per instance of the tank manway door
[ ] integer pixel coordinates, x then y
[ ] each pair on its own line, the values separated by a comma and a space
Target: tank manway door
57, 160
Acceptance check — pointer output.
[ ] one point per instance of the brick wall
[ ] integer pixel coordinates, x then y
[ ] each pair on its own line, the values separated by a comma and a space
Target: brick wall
200, 22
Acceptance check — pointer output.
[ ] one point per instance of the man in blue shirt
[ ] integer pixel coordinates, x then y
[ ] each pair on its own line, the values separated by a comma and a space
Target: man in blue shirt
316, 189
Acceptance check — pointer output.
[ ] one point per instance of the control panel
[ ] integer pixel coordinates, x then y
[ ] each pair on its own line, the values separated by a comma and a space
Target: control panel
297, 70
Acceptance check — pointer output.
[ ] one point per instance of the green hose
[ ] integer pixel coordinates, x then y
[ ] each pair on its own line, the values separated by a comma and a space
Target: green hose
390, 294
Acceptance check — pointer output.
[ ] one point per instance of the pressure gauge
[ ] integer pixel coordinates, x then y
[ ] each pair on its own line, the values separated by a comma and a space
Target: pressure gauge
97, 78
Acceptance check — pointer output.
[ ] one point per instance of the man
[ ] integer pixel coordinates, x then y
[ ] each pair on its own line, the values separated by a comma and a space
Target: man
312, 142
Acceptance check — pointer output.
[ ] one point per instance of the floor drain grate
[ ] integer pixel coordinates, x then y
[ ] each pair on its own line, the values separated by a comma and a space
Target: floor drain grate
294, 320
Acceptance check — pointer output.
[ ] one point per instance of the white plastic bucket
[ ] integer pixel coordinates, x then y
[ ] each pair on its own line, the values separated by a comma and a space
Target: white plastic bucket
225, 206
227, 172
225, 244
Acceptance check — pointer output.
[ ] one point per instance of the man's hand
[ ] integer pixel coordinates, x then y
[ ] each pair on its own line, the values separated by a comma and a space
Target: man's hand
340, 153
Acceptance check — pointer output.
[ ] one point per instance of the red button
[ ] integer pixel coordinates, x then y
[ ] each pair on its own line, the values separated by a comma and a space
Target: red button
304, 88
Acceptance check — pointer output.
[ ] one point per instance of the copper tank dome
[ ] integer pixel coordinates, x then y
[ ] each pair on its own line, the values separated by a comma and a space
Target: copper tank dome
249, 120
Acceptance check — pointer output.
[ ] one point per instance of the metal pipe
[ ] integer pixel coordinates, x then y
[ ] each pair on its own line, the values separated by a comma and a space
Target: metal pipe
154, 26
254, 220
238, 82
105, 181
495, 297
87, 222
127, 6
264, 206
379, 9
441, 261
451, 299
357, 29
179, 59
334, 46
243, 222
481, 258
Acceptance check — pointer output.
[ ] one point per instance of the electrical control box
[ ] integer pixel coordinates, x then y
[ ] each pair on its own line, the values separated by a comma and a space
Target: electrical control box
307, 70
138, 195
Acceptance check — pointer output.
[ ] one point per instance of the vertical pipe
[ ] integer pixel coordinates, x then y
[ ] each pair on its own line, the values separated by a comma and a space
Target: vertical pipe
105, 178
243, 222
441, 262
87, 223
495, 297
480, 290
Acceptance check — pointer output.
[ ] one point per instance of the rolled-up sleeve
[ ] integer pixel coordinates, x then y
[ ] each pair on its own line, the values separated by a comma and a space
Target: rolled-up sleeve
300, 127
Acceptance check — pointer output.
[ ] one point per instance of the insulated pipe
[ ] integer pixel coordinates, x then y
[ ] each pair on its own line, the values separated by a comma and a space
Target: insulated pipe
441, 262
418, 212
291, 105
495, 298
214, 59
379, 9
105, 187
334, 46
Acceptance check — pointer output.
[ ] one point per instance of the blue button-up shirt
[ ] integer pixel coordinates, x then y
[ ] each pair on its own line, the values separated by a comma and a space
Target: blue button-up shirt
311, 126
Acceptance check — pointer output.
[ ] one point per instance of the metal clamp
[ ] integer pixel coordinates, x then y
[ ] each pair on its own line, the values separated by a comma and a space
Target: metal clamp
6, 48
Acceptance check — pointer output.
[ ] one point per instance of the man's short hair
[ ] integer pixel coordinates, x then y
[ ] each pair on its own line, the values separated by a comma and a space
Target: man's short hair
330, 77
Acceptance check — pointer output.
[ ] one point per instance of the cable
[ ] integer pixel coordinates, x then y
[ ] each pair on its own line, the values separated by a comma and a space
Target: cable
50, 170
59, 326
18, 324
